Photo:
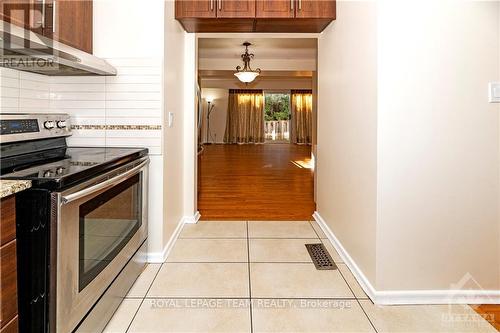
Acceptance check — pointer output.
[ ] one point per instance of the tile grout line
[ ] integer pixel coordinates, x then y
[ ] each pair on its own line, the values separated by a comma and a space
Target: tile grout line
357, 300
345, 280
143, 298
249, 279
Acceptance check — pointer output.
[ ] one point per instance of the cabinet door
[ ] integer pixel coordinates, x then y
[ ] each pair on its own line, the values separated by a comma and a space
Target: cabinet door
195, 8
275, 8
315, 9
8, 284
16, 12
70, 22
236, 8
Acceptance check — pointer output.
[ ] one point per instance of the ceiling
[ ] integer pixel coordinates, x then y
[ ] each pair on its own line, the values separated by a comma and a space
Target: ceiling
263, 48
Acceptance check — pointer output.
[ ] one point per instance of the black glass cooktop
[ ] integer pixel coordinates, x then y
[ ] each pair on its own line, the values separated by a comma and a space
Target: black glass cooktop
64, 166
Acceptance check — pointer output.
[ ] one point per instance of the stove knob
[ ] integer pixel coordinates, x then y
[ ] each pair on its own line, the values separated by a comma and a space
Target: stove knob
49, 124
59, 170
61, 124
47, 173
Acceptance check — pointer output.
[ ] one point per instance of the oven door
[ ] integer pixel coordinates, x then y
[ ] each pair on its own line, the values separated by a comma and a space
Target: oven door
99, 226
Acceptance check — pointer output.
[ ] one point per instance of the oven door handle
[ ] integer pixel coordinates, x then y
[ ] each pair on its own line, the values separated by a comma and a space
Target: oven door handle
104, 185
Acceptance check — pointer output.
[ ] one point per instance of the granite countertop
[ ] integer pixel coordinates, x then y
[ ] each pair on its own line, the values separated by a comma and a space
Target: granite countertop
9, 187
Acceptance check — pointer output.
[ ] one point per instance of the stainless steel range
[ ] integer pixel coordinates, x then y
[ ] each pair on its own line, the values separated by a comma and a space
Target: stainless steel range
82, 227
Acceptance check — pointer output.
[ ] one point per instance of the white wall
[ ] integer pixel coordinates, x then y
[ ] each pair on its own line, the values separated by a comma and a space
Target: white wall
218, 115
128, 28
408, 146
173, 210
347, 130
438, 145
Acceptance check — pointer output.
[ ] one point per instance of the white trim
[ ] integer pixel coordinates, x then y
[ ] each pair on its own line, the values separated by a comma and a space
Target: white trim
192, 219
160, 257
407, 296
346, 258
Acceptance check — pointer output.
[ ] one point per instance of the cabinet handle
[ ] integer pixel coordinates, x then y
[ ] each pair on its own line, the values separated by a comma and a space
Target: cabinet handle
220, 4
292, 4
54, 16
43, 14
300, 4
211, 4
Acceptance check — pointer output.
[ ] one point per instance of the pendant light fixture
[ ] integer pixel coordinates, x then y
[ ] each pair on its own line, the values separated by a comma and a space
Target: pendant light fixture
246, 74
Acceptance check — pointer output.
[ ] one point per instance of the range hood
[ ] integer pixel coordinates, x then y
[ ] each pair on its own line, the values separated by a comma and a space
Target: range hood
26, 51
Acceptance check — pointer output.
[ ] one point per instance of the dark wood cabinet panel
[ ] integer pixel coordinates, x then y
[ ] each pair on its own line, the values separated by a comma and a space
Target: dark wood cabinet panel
8, 220
72, 23
195, 8
236, 8
302, 16
275, 9
16, 12
8, 283
67, 21
11, 327
315, 9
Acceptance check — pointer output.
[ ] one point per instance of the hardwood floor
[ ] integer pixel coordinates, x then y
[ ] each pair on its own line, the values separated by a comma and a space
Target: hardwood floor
490, 312
255, 182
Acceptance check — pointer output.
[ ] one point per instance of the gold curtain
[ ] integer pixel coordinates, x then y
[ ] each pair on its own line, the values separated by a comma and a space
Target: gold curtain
245, 117
301, 116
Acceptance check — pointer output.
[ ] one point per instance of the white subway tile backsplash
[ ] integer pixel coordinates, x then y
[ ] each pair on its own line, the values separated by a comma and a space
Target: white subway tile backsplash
135, 62
78, 141
133, 87
133, 79
133, 96
34, 85
9, 92
10, 73
9, 102
32, 77
83, 104
78, 79
134, 113
139, 71
133, 104
34, 103
9, 82
133, 121
124, 110
83, 120
34, 94
77, 87
78, 96
89, 113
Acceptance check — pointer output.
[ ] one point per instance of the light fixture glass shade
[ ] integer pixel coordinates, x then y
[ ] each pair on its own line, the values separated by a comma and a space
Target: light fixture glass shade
246, 77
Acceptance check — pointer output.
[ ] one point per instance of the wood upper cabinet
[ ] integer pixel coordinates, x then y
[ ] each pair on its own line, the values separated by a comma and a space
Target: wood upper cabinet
275, 8
236, 8
18, 12
255, 15
195, 8
315, 9
71, 23
67, 21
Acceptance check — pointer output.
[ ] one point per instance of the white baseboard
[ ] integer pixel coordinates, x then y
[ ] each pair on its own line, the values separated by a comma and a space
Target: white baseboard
396, 297
160, 257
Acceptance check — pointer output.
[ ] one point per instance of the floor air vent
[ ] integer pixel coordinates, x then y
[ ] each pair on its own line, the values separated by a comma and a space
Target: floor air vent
320, 257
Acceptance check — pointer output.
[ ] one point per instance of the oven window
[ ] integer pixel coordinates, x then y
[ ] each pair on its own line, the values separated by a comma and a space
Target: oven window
107, 222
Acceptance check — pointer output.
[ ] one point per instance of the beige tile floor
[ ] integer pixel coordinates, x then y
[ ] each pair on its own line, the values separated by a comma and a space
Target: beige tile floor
258, 277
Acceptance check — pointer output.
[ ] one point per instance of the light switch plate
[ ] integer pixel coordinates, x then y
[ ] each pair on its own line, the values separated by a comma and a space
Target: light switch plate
170, 119
494, 92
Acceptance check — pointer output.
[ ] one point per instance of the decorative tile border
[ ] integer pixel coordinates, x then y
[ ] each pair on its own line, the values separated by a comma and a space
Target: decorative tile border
117, 127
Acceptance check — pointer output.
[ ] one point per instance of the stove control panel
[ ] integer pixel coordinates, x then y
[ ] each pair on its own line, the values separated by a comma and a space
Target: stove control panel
22, 127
